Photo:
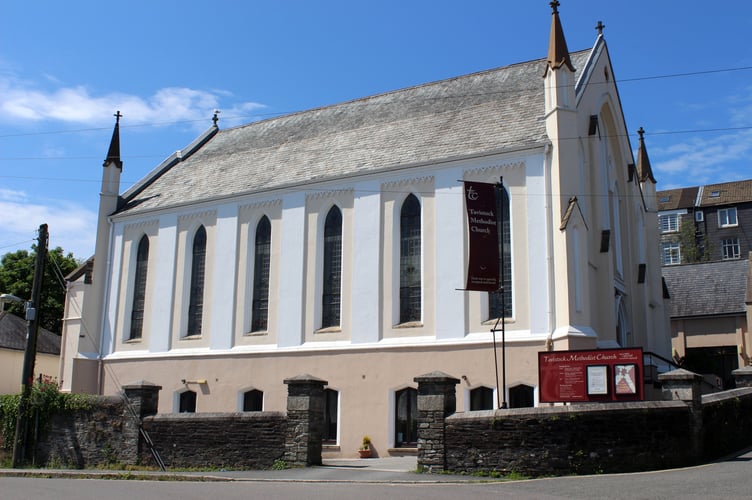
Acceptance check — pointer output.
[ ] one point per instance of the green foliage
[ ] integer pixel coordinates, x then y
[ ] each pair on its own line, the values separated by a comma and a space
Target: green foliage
17, 276
693, 248
45, 400
279, 464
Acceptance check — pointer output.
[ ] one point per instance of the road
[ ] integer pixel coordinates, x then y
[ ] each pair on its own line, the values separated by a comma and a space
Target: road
722, 480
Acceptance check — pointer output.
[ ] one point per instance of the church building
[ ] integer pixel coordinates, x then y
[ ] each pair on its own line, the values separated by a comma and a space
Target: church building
334, 242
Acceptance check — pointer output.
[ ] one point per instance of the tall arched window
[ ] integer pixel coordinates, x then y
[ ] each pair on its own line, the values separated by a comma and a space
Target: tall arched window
505, 251
410, 254
262, 258
198, 273
330, 304
139, 289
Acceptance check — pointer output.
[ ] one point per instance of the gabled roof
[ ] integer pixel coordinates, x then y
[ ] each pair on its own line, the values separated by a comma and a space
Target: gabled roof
482, 113
707, 289
726, 193
13, 335
673, 199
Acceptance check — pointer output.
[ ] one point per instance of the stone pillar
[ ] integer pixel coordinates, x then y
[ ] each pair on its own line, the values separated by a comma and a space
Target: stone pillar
305, 420
436, 400
143, 399
683, 385
743, 376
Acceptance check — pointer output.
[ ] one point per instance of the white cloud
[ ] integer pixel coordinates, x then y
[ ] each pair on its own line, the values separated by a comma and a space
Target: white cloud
71, 226
25, 101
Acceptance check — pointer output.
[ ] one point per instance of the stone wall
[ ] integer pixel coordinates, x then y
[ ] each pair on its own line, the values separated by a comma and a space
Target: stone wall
687, 428
249, 440
105, 434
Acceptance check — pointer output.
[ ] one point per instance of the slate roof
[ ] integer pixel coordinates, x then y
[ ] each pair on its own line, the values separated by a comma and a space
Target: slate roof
711, 288
677, 198
728, 193
13, 335
492, 111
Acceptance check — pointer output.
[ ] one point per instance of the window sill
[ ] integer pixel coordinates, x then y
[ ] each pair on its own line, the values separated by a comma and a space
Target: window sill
492, 321
256, 334
329, 329
410, 324
191, 337
133, 341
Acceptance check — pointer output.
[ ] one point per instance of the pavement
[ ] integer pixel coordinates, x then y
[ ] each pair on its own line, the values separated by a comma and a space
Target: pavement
370, 470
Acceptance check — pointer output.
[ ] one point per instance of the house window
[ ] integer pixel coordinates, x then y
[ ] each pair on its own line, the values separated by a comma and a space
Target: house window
521, 396
331, 410
727, 217
410, 255
494, 298
481, 398
139, 289
671, 253
405, 418
730, 248
253, 400
187, 402
198, 272
330, 303
669, 223
262, 258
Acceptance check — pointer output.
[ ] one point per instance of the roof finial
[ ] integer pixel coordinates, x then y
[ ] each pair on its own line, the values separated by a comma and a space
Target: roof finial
600, 27
554, 5
215, 118
558, 53
642, 133
113, 155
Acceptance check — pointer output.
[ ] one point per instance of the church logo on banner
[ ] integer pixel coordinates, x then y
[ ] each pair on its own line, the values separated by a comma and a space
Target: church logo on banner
483, 258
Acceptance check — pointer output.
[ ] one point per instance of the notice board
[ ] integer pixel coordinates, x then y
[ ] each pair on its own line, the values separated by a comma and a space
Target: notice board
597, 375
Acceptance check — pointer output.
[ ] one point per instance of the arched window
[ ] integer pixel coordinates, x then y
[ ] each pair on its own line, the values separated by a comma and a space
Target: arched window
481, 398
262, 259
139, 289
198, 273
505, 251
410, 254
330, 303
253, 400
331, 410
406, 418
187, 402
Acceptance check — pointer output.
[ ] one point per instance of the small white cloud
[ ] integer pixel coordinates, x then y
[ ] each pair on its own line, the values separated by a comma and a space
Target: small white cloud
71, 226
27, 102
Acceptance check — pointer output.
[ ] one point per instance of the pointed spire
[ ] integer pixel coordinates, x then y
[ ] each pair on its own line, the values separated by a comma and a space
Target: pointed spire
558, 53
643, 162
113, 155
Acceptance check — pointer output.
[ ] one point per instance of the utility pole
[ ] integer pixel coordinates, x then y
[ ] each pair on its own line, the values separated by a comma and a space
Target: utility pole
20, 444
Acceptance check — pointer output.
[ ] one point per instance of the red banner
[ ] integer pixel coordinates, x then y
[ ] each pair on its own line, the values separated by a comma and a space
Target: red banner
483, 258
583, 376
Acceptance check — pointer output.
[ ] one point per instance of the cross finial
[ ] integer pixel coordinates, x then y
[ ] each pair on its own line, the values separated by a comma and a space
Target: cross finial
554, 5
600, 27
117, 116
215, 118
641, 132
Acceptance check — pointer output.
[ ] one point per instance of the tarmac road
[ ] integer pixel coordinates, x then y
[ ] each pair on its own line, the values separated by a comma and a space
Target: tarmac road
382, 478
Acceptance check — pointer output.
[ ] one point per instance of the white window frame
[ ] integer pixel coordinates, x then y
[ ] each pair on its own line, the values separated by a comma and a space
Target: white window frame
730, 249
725, 216
670, 253
669, 223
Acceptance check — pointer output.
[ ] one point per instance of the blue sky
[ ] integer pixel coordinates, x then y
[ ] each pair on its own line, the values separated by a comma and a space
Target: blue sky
685, 73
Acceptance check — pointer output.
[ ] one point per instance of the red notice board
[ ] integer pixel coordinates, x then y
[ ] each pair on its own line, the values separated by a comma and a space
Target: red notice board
584, 376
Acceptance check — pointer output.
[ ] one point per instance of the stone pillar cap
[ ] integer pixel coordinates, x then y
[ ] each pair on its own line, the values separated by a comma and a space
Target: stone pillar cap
679, 374
436, 376
304, 379
142, 384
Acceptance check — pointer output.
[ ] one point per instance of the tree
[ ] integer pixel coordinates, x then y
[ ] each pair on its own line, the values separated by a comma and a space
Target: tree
17, 275
694, 245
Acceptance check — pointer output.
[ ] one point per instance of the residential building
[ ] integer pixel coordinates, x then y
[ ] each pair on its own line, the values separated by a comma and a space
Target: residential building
333, 242
13, 332
711, 312
705, 223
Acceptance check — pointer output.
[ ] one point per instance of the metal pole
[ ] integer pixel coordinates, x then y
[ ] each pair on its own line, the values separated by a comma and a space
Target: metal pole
500, 188
27, 378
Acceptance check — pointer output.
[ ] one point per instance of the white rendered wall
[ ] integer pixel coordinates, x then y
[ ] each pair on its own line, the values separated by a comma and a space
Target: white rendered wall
290, 300
164, 284
224, 268
366, 282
